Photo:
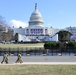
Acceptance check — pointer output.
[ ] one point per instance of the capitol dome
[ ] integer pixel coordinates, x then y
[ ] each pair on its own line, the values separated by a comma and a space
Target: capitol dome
36, 18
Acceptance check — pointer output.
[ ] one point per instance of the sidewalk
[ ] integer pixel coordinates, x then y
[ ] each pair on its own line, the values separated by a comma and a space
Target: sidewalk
42, 63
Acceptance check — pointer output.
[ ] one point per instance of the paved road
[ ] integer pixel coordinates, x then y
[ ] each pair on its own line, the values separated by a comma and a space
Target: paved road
41, 59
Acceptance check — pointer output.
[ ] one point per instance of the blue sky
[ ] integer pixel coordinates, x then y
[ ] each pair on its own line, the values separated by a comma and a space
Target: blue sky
55, 13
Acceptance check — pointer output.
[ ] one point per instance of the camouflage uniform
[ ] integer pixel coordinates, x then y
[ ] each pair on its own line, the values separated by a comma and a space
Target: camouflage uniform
5, 58
19, 59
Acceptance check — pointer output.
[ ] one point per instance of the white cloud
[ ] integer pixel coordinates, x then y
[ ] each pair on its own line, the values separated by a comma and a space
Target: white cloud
17, 23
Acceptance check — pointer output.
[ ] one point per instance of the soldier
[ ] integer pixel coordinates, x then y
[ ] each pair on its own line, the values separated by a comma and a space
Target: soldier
19, 59
5, 58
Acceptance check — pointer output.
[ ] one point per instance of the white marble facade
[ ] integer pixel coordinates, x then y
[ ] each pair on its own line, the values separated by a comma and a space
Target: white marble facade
36, 30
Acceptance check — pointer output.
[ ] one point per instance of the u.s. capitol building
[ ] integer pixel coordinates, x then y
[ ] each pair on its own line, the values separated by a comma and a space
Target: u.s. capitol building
36, 30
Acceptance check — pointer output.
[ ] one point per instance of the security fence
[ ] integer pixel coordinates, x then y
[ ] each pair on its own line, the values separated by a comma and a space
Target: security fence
38, 51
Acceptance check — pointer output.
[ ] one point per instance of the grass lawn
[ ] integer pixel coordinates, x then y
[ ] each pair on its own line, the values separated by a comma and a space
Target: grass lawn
21, 45
37, 69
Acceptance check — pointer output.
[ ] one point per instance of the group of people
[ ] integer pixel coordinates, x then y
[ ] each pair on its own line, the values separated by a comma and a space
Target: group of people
5, 58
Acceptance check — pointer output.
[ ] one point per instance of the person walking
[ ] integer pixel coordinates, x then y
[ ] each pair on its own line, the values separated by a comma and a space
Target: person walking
19, 60
5, 58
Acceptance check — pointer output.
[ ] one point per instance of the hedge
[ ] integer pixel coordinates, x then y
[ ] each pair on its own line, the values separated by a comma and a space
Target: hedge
50, 45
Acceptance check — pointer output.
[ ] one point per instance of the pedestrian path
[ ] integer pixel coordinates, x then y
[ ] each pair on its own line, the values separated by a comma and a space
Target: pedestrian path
42, 63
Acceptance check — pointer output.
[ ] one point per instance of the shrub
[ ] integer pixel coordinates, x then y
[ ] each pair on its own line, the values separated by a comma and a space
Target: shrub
71, 45
50, 45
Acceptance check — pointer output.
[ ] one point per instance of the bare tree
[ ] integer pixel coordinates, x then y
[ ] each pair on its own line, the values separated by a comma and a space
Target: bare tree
3, 27
64, 35
7, 36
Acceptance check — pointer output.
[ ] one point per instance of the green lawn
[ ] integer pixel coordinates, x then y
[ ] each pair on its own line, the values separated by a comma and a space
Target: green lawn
37, 69
21, 45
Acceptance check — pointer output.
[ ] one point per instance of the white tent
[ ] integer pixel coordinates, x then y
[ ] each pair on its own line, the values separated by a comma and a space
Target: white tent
54, 37
51, 38
23, 38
